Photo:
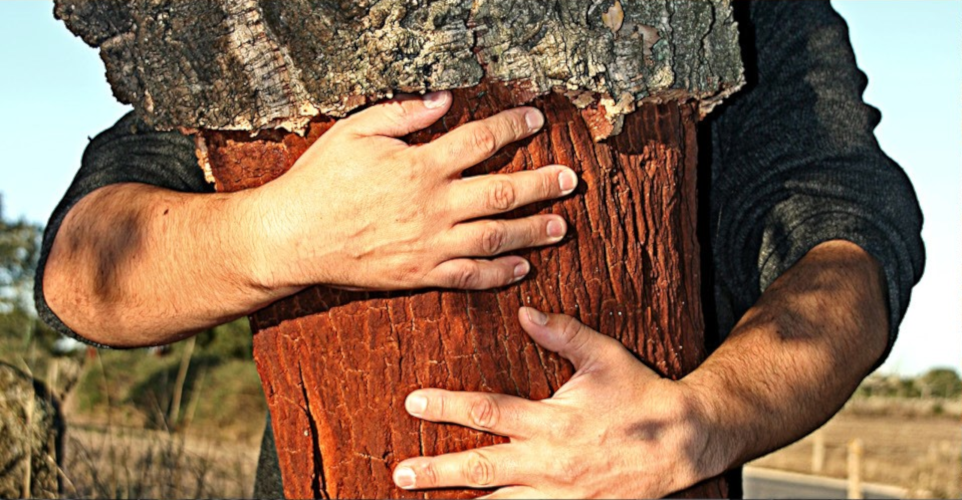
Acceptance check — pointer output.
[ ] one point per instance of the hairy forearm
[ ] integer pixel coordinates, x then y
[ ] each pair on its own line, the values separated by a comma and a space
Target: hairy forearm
795, 357
136, 265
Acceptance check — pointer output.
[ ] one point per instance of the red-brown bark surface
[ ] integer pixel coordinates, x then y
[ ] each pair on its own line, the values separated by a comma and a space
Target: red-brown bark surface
336, 365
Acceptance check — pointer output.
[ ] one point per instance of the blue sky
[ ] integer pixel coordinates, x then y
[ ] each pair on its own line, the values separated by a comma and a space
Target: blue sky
53, 96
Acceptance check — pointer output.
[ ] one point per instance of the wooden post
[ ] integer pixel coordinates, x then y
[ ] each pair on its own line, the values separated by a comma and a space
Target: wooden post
855, 451
622, 84
818, 452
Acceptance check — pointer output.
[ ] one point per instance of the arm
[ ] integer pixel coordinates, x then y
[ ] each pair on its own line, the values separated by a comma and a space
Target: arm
807, 214
793, 359
135, 265
618, 430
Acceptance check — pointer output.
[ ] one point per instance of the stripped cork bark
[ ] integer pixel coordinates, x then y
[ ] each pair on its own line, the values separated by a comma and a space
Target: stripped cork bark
336, 365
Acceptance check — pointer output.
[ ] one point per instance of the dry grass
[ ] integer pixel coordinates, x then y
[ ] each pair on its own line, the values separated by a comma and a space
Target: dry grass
133, 463
212, 452
905, 445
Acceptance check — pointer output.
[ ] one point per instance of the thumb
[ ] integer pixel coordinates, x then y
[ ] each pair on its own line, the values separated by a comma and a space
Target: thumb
399, 116
583, 346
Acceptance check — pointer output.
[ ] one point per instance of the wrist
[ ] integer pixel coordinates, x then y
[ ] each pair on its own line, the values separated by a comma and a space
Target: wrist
714, 442
259, 242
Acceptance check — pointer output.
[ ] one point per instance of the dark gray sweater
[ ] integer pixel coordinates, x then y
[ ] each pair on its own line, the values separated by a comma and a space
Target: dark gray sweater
794, 162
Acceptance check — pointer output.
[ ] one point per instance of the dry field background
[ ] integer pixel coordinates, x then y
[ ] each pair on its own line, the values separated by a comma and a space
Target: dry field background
913, 444
114, 462
124, 440
905, 445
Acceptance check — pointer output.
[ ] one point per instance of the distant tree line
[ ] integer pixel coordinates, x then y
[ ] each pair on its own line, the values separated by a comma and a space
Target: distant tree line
20, 329
936, 383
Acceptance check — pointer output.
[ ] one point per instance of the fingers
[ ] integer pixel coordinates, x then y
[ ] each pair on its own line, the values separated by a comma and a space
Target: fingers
569, 338
474, 142
475, 274
492, 194
495, 413
482, 468
493, 237
399, 116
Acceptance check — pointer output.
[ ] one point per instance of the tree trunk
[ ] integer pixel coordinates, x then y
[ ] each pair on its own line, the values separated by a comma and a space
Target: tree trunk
336, 365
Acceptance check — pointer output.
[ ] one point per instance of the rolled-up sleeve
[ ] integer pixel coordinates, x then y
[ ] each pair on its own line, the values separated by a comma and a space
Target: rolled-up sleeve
795, 161
130, 151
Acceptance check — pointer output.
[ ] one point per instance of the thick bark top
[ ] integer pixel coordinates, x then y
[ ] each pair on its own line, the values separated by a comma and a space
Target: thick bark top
260, 64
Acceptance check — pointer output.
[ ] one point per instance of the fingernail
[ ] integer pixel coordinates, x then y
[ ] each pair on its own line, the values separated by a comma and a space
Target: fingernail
435, 99
534, 119
521, 270
556, 229
404, 477
537, 317
568, 181
416, 404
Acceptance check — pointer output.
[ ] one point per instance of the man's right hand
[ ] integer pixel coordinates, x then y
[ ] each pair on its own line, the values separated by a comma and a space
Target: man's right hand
135, 265
363, 209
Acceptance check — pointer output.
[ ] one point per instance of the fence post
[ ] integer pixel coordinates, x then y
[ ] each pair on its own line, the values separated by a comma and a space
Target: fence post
818, 452
855, 451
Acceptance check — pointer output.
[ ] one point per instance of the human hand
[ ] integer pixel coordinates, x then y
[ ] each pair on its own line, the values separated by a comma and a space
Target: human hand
362, 209
615, 430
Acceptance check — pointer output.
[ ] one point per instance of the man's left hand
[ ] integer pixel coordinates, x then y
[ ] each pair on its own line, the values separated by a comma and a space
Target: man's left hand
615, 430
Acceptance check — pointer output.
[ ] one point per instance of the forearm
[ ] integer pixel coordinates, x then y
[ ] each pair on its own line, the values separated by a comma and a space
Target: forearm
795, 357
136, 265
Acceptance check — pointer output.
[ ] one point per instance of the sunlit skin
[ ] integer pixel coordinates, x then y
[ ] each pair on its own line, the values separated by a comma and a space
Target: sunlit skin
360, 209
153, 266
618, 430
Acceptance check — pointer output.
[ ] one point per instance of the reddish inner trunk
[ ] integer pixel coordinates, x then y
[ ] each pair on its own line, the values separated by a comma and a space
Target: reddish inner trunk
336, 366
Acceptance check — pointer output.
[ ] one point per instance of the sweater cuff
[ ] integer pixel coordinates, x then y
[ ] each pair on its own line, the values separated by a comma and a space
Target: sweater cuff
781, 252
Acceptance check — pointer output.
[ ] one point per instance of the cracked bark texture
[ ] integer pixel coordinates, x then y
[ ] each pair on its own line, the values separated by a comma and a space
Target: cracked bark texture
336, 365
261, 64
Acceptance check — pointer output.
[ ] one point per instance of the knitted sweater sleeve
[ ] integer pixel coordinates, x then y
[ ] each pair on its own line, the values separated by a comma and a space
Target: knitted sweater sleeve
795, 162
129, 151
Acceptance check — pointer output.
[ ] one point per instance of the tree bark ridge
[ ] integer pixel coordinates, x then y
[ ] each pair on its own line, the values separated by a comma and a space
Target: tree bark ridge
337, 365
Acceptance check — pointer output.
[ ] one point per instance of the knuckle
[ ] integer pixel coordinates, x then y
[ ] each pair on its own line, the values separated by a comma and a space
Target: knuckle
428, 475
519, 123
466, 277
548, 185
397, 111
438, 406
570, 331
502, 195
478, 469
493, 238
484, 140
484, 413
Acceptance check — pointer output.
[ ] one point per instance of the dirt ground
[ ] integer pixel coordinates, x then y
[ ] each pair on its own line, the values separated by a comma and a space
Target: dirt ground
922, 453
